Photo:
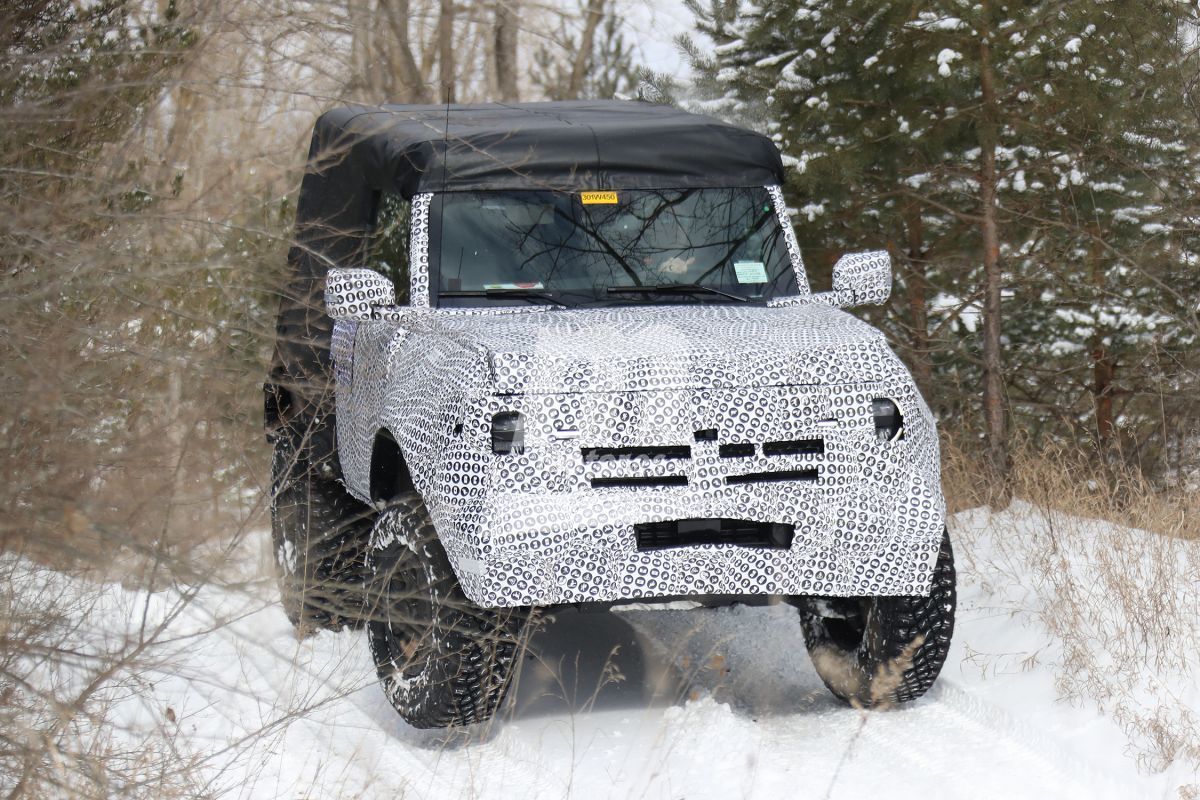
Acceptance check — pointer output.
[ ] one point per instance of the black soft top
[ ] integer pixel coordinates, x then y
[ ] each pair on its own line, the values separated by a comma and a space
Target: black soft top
572, 145
359, 152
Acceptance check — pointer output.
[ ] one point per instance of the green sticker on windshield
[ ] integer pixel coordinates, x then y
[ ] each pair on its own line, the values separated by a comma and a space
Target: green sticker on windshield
750, 271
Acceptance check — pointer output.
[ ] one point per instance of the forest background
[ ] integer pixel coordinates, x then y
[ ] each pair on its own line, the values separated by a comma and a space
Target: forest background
1032, 167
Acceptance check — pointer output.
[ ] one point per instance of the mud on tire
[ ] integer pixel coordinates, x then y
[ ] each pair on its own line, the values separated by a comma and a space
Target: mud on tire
881, 651
318, 532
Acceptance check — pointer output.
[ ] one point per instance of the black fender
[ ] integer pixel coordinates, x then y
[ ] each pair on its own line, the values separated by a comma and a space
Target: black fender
390, 476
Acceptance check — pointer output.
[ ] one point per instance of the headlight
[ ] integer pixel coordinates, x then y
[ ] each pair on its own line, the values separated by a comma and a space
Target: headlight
508, 433
889, 425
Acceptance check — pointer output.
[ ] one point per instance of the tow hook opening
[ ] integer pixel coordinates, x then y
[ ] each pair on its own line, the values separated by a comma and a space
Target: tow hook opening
691, 532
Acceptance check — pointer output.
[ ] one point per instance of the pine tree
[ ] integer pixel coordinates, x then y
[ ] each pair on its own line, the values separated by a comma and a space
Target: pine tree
1110, 159
998, 151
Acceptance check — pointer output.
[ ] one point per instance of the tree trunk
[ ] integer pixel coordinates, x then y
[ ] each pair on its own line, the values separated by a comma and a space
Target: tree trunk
918, 307
445, 50
362, 69
583, 56
994, 410
1103, 367
412, 85
505, 49
1103, 373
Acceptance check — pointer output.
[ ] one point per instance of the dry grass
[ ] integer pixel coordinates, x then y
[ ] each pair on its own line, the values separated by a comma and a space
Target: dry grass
1116, 563
1071, 480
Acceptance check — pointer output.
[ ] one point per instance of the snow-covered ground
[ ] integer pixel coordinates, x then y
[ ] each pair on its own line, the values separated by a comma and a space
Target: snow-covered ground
707, 703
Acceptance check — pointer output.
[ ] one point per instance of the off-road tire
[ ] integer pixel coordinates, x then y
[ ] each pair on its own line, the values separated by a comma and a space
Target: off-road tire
881, 651
443, 662
318, 536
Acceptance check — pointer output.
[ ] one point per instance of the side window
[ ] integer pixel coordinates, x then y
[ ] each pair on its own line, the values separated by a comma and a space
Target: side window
387, 252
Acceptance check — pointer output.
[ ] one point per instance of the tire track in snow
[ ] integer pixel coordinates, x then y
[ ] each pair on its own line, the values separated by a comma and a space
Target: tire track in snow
762, 724
966, 747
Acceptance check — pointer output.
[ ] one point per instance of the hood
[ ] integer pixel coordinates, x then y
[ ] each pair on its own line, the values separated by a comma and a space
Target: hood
672, 347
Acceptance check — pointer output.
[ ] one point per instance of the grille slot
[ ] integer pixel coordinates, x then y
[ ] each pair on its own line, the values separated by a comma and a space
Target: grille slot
593, 454
640, 482
736, 450
795, 447
779, 476
691, 532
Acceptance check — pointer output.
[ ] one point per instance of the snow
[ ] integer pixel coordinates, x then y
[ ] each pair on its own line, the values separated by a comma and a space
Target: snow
797, 163
1151, 142
945, 58
929, 21
775, 60
672, 605
704, 703
811, 211
918, 180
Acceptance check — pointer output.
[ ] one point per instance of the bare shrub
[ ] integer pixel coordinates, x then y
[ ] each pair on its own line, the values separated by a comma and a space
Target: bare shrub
1073, 480
58, 680
1116, 560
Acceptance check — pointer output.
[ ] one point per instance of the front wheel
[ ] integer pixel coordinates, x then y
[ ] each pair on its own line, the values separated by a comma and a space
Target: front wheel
880, 651
442, 661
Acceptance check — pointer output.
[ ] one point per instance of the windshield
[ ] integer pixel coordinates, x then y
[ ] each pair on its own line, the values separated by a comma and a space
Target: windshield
608, 247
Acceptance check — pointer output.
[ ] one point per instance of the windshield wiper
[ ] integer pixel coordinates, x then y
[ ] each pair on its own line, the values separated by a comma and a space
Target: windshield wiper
674, 288
521, 294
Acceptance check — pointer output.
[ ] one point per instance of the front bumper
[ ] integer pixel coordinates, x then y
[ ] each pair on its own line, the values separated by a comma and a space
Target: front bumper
553, 527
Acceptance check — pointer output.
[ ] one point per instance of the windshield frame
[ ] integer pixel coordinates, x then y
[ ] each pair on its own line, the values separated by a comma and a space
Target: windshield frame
783, 286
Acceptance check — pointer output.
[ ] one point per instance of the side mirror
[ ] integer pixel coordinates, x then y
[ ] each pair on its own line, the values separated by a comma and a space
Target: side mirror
860, 279
357, 294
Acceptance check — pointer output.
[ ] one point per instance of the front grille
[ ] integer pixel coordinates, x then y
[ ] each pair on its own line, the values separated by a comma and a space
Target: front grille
593, 454
778, 476
639, 482
630, 458
691, 532
795, 447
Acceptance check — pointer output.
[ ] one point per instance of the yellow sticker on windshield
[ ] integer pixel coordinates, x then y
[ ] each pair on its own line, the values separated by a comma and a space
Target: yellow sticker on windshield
598, 198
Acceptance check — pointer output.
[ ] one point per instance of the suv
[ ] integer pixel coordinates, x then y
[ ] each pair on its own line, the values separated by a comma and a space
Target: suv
566, 353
